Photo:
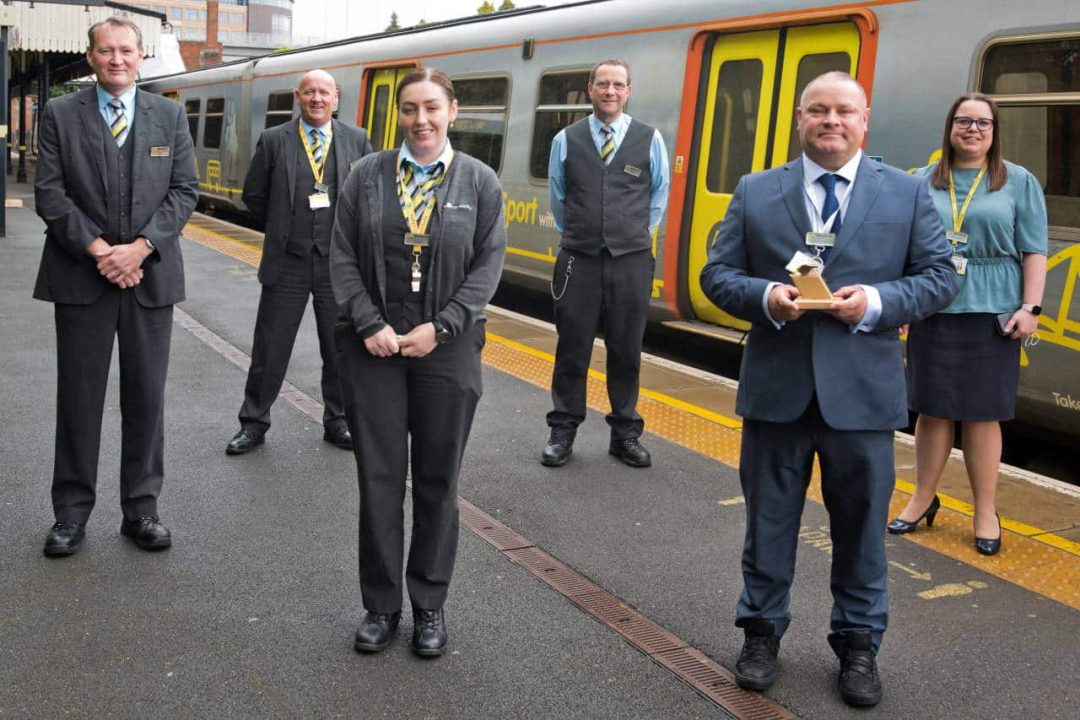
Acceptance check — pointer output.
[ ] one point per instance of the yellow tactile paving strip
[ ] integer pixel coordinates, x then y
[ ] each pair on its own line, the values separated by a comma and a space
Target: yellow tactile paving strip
1034, 559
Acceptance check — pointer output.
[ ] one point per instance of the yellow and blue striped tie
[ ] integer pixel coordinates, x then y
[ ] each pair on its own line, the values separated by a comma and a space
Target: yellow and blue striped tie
608, 148
420, 192
316, 145
119, 124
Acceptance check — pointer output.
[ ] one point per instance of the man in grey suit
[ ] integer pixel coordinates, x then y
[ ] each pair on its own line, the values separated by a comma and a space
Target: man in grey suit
291, 191
828, 381
115, 184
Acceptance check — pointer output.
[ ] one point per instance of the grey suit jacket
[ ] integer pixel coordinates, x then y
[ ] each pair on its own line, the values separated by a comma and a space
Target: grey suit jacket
70, 191
891, 238
271, 183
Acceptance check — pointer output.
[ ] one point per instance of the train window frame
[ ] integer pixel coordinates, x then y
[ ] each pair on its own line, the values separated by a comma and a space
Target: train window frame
213, 119
279, 115
539, 108
1046, 100
193, 116
485, 109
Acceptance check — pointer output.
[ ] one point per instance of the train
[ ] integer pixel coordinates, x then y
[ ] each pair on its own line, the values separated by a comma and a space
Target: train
720, 79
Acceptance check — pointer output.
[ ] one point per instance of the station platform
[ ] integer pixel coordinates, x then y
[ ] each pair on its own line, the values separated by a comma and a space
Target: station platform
593, 590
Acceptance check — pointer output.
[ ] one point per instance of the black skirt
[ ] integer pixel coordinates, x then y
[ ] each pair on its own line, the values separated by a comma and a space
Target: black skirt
959, 368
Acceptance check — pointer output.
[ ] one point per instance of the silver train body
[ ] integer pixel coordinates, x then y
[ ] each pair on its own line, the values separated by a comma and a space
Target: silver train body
720, 79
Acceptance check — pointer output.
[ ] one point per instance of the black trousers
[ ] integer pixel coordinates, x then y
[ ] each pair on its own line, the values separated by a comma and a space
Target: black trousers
614, 291
389, 402
857, 478
84, 343
281, 308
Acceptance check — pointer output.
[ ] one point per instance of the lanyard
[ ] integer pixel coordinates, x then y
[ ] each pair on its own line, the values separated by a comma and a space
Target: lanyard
958, 215
408, 202
316, 168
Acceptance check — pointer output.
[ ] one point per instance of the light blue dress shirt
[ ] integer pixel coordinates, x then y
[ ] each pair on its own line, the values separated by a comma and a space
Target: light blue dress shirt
658, 169
127, 97
423, 172
327, 130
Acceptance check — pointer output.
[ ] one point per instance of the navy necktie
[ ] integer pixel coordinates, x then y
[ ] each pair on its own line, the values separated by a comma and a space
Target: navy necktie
828, 181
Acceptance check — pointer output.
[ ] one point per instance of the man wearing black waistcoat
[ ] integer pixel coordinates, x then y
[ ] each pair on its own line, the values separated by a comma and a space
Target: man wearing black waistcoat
115, 184
608, 179
291, 190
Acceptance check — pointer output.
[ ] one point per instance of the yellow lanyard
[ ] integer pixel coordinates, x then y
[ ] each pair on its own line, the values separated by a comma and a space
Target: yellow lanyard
408, 202
316, 168
958, 215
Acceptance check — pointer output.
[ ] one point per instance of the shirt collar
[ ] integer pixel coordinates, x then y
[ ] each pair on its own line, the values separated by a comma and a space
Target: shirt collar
405, 155
127, 97
308, 127
620, 122
812, 171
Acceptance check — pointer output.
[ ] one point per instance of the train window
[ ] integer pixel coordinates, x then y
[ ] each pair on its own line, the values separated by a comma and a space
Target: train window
563, 101
481, 120
810, 67
215, 118
735, 121
279, 107
380, 113
1035, 83
192, 107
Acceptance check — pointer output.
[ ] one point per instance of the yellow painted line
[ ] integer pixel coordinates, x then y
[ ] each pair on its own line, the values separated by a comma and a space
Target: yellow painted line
530, 254
1032, 558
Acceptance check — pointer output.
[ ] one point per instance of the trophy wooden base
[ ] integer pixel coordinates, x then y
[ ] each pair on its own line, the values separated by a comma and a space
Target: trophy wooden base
814, 294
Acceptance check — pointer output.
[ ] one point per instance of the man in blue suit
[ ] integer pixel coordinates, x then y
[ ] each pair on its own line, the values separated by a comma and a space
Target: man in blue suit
825, 381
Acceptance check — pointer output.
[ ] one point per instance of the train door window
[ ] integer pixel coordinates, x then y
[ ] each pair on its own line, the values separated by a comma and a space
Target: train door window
380, 111
735, 120
1036, 84
192, 108
215, 118
563, 100
481, 120
810, 67
279, 106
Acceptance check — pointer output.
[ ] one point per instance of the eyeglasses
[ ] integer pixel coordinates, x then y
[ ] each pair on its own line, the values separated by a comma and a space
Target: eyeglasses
965, 123
605, 84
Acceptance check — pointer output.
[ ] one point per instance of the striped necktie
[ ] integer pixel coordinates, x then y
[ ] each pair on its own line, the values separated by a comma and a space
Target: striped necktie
420, 192
317, 145
608, 148
118, 127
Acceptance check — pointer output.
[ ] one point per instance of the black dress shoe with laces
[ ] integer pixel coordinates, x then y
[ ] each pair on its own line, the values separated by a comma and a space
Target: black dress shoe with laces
557, 451
147, 532
631, 452
429, 632
860, 684
338, 435
244, 442
756, 667
376, 632
64, 539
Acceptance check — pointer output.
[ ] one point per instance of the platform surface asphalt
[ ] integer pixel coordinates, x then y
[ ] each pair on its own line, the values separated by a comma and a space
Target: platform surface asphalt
251, 613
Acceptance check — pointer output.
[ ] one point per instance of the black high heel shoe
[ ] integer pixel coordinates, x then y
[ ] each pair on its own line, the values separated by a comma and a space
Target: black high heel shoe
987, 546
902, 527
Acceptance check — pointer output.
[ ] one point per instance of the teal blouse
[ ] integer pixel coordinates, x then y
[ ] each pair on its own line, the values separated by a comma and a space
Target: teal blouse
1001, 226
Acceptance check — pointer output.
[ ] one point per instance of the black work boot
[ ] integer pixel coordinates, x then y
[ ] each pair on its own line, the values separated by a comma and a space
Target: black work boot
756, 667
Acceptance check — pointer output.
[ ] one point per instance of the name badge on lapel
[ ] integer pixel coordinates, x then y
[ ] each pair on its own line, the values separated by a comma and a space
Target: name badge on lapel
631, 170
160, 151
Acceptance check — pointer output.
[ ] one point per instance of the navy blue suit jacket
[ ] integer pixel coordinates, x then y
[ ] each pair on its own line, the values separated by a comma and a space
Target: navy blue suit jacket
891, 238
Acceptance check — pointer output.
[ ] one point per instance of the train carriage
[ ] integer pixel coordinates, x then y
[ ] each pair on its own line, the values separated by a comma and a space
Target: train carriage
720, 80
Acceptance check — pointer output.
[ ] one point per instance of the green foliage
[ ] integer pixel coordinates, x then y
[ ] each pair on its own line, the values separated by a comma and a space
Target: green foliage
393, 26
507, 5
486, 9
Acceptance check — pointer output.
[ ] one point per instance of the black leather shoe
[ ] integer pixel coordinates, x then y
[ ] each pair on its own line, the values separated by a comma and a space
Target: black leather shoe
902, 527
147, 532
338, 435
429, 632
631, 452
756, 667
244, 442
990, 546
64, 539
860, 684
376, 632
557, 451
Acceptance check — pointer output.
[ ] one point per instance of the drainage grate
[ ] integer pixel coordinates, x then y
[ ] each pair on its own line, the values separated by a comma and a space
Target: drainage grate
498, 535
717, 684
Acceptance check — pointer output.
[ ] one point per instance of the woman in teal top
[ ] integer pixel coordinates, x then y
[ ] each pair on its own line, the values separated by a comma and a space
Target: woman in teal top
960, 367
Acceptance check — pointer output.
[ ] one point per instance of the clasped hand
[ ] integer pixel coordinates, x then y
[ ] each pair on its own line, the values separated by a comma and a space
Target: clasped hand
119, 264
418, 342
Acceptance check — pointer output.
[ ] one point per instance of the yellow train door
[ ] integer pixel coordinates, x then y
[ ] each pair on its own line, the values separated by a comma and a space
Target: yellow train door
747, 123
380, 111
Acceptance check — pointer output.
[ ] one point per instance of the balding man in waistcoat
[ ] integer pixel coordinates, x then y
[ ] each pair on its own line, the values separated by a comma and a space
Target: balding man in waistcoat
115, 184
608, 179
291, 189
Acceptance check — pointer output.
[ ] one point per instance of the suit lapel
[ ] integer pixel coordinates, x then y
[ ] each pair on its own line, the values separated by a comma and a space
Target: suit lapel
291, 143
93, 132
863, 194
341, 159
791, 188
140, 136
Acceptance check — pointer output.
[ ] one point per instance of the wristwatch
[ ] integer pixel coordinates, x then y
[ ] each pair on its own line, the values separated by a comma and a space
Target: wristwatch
1033, 309
441, 333
149, 244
